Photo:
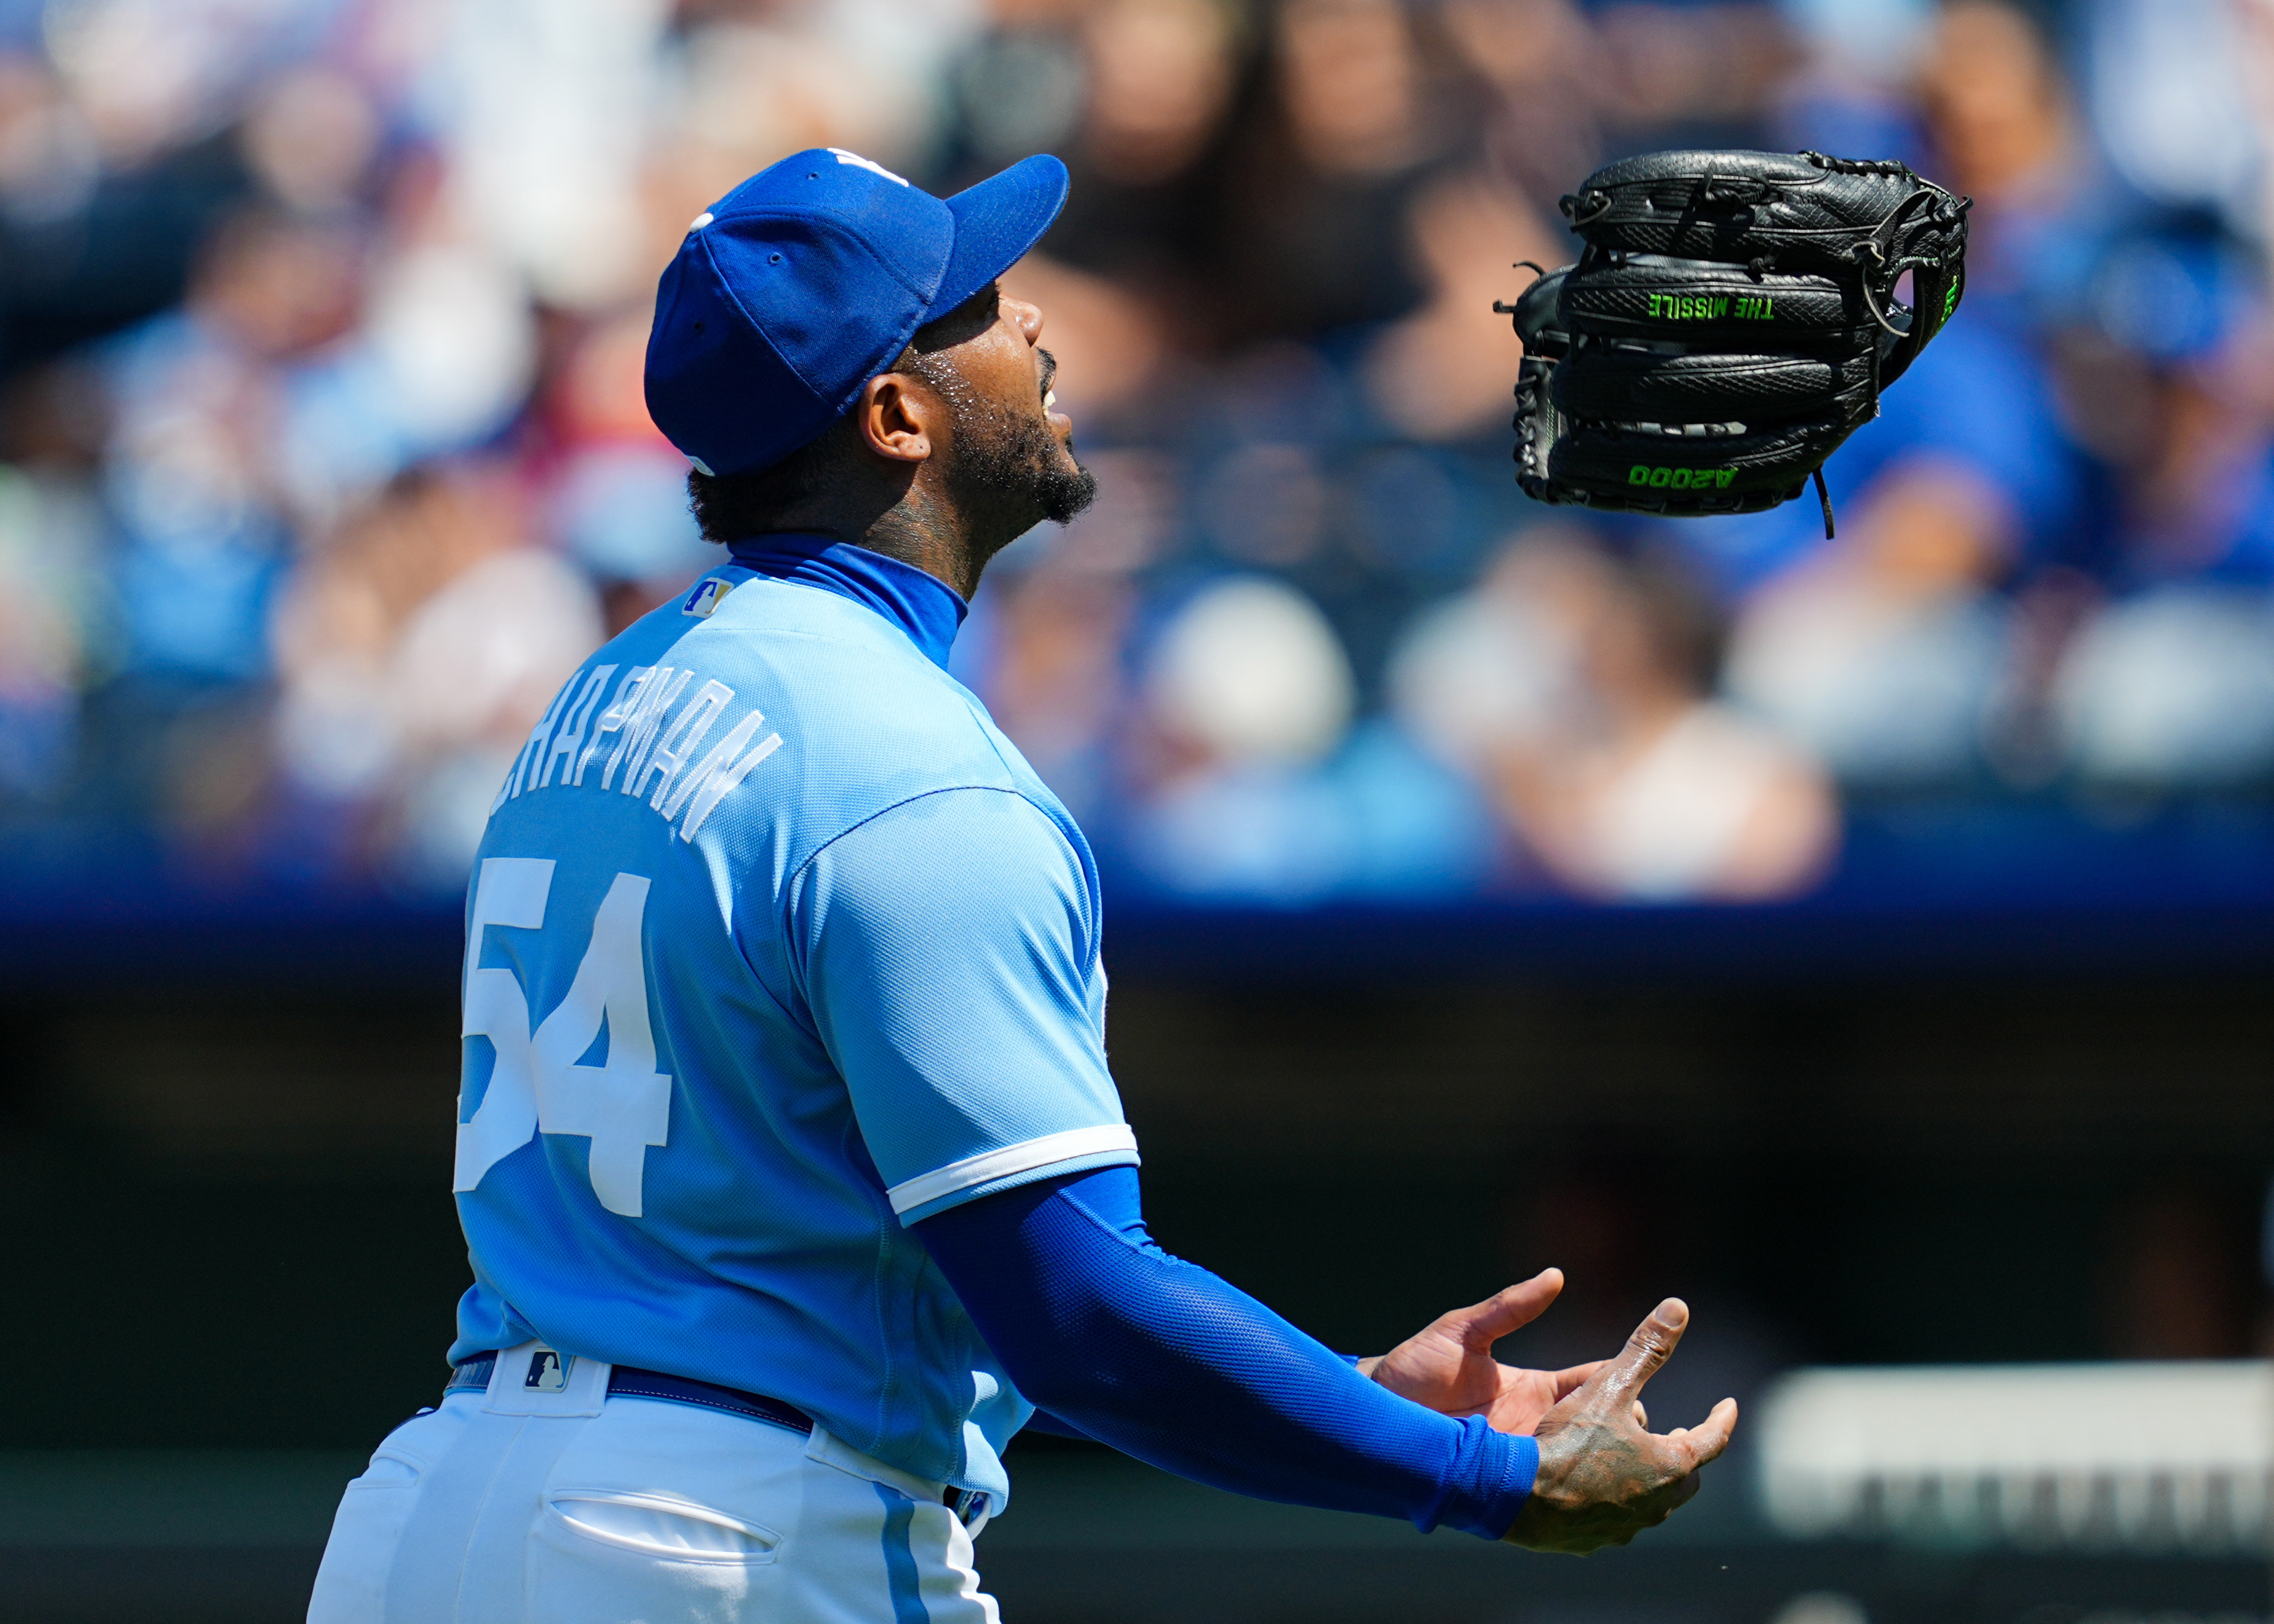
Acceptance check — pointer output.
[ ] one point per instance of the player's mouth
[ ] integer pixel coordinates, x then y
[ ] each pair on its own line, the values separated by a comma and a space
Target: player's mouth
1058, 420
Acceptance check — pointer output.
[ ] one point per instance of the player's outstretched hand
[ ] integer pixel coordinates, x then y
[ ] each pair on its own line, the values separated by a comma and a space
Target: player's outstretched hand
1603, 1479
1450, 1368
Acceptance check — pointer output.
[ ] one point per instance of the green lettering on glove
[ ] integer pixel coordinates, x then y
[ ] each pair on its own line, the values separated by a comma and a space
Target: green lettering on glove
1681, 478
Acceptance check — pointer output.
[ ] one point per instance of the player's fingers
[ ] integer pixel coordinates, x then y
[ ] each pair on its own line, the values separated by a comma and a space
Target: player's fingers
1705, 1441
1642, 1416
1569, 1381
1497, 1315
1648, 1349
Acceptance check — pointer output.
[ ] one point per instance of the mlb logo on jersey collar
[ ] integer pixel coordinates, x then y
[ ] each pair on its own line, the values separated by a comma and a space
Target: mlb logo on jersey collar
534, 1379
706, 596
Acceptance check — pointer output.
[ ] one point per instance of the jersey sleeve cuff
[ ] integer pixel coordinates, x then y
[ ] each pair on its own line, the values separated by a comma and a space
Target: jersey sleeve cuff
1491, 1478
1078, 1150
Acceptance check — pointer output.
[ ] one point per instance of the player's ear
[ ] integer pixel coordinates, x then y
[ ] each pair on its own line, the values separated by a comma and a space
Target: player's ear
898, 418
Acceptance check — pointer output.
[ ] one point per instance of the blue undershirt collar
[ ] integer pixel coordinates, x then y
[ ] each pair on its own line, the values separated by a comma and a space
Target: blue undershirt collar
925, 607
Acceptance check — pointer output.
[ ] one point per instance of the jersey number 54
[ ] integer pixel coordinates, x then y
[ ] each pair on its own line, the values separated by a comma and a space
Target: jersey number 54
623, 1104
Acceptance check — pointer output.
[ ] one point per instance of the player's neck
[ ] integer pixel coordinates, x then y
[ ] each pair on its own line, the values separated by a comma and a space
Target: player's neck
948, 529
948, 533
924, 530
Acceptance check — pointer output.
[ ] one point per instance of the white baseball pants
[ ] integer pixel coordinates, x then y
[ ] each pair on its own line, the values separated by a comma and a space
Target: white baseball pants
578, 1508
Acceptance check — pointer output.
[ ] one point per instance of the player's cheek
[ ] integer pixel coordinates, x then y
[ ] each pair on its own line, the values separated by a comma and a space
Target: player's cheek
1008, 380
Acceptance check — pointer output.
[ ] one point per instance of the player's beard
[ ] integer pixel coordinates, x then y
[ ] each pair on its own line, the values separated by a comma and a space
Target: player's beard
1009, 471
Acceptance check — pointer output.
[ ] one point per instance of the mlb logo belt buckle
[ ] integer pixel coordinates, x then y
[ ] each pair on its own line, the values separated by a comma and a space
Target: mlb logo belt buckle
534, 1379
548, 1371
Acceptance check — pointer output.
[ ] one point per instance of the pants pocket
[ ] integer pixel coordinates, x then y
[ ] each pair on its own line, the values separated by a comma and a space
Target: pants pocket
602, 1556
660, 1525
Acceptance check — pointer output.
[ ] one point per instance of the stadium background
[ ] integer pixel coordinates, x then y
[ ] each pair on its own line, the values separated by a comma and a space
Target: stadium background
1867, 939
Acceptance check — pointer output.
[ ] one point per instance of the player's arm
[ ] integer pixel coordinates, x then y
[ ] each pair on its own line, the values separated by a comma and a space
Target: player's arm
1056, 1426
1170, 1364
946, 950
1448, 1366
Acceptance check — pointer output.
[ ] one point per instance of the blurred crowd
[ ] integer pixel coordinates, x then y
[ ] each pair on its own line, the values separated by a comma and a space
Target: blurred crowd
323, 456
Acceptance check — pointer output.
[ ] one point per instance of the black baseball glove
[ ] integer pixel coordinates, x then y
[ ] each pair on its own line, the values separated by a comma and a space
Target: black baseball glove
1731, 319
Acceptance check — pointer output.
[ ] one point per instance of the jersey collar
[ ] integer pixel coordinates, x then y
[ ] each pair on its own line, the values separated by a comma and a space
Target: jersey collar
926, 608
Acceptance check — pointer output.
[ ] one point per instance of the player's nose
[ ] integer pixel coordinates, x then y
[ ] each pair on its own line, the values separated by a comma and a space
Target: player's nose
1026, 316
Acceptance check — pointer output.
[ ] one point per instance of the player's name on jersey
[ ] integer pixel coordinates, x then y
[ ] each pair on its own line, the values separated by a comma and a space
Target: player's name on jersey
640, 737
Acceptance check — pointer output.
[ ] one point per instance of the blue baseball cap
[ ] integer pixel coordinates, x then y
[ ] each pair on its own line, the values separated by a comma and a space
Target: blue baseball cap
806, 281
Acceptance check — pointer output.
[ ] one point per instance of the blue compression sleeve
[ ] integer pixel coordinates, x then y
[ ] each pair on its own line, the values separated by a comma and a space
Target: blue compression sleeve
1056, 1426
1164, 1361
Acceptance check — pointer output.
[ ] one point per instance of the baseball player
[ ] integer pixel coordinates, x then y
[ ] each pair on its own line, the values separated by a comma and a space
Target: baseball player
792, 1172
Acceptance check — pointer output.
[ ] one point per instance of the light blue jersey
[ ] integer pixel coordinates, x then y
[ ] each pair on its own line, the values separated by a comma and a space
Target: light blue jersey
774, 946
